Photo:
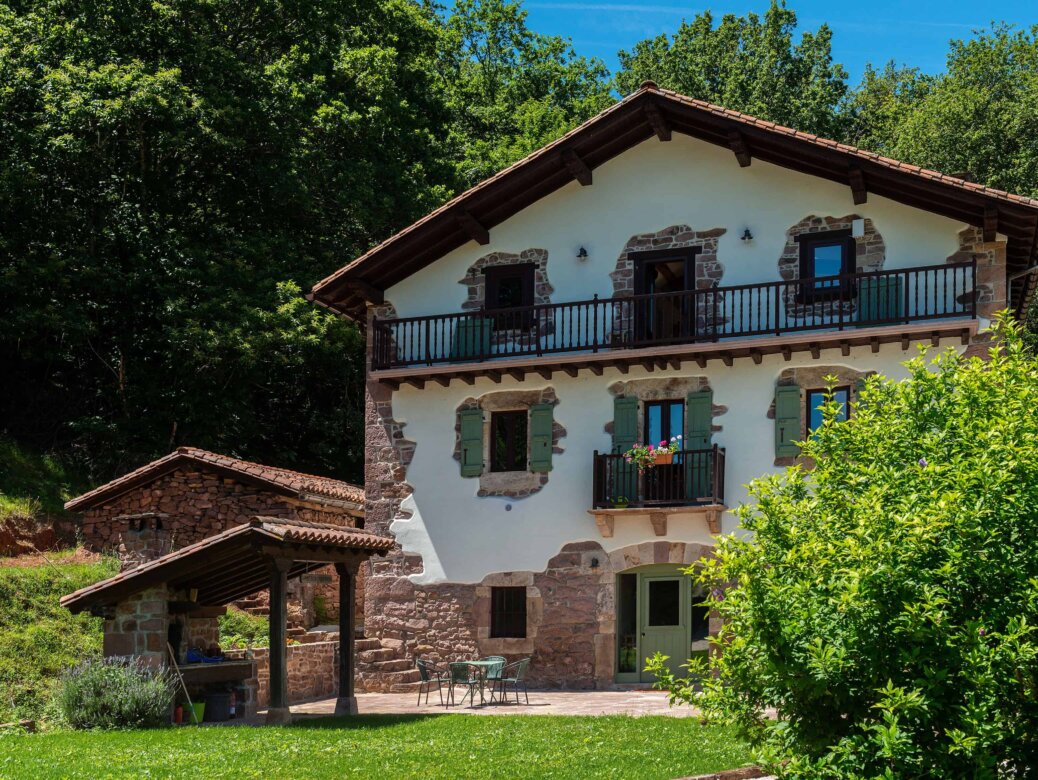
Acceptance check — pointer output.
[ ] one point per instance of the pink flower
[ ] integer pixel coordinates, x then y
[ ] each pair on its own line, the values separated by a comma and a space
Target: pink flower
650, 448
663, 443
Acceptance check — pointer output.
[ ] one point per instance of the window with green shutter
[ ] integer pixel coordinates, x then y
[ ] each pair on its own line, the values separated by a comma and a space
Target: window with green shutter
541, 424
471, 444
787, 420
699, 422
625, 436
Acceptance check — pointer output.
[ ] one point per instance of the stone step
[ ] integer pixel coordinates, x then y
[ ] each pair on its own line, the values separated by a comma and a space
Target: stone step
396, 665
411, 687
408, 676
373, 656
262, 611
366, 644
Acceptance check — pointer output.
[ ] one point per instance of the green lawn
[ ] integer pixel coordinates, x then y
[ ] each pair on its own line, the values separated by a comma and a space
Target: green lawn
447, 746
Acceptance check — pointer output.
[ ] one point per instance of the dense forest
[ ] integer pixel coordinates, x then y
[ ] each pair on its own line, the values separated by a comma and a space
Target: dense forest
174, 174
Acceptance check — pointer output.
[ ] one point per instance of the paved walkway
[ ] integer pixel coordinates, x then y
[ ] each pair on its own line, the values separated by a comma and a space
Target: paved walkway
541, 703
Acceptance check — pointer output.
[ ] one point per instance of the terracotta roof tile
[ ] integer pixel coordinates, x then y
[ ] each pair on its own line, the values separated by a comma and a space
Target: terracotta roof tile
295, 483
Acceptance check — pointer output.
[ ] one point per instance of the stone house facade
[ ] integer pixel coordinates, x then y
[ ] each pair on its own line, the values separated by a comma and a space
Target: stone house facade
710, 273
192, 494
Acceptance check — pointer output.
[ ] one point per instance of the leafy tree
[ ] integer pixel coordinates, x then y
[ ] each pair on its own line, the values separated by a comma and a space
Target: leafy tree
749, 64
979, 117
886, 602
511, 90
171, 174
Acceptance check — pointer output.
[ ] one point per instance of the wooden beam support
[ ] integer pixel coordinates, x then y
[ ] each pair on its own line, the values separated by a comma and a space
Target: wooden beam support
415, 382
659, 123
701, 361
570, 370
546, 373
857, 181
278, 711
648, 364
845, 348
787, 354
494, 376
368, 292
346, 704
990, 223
596, 369
874, 343
471, 225
392, 384
737, 143
443, 381
757, 356
468, 379
675, 364
816, 350
577, 167
726, 358
935, 339
905, 341
516, 373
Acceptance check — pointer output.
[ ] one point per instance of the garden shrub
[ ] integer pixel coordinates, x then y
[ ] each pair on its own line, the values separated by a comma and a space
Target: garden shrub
115, 693
886, 603
239, 629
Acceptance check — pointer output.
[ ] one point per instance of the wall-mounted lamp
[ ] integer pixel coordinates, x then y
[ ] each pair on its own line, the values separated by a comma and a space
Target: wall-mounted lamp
594, 563
582, 255
747, 235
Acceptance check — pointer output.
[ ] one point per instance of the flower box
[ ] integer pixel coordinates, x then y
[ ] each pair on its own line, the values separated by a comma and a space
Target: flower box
664, 458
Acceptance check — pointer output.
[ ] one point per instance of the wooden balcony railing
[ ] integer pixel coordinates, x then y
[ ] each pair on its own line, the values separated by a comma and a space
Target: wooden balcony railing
696, 477
858, 300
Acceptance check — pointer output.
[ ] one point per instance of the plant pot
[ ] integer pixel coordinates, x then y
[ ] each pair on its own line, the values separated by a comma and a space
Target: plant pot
664, 458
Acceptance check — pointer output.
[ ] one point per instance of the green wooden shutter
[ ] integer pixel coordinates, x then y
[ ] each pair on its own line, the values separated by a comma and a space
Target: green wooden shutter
471, 442
541, 424
881, 299
787, 420
625, 436
471, 338
699, 421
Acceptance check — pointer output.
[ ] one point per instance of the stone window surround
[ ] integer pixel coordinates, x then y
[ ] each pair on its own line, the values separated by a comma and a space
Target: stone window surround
814, 378
870, 254
509, 484
708, 270
662, 389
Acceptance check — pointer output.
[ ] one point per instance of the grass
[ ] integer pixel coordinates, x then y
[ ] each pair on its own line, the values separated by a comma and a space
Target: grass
436, 746
38, 637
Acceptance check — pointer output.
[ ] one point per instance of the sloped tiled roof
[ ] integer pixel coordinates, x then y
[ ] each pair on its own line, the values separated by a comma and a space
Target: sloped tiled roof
283, 481
631, 121
203, 566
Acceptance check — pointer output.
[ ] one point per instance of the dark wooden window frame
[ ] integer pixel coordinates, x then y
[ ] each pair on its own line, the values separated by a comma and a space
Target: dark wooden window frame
518, 452
494, 275
848, 254
821, 391
664, 403
642, 261
508, 612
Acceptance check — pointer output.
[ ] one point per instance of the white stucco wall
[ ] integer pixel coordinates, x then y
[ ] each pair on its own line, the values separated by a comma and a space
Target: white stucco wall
656, 185
461, 537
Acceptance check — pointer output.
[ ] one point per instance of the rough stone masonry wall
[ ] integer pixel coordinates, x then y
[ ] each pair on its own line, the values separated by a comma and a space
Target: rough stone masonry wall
313, 672
139, 627
188, 505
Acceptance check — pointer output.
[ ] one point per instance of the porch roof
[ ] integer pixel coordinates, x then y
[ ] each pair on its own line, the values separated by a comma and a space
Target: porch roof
236, 563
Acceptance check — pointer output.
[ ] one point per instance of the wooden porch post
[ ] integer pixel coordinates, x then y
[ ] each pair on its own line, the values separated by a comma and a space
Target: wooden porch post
346, 704
277, 709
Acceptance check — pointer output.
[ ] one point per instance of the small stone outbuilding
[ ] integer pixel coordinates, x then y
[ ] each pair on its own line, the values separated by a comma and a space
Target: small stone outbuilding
192, 494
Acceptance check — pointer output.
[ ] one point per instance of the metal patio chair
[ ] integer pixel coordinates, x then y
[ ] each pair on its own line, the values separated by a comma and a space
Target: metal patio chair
467, 676
431, 675
514, 675
493, 672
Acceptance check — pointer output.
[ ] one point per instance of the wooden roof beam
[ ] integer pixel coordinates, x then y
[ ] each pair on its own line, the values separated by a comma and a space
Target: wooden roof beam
472, 227
990, 223
576, 165
856, 179
737, 143
659, 123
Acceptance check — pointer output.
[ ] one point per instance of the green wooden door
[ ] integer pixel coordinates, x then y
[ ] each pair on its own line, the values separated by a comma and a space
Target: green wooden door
665, 613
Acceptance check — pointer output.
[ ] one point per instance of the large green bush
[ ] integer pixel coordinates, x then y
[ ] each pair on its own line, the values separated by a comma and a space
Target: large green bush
885, 605
239, 629
112, 693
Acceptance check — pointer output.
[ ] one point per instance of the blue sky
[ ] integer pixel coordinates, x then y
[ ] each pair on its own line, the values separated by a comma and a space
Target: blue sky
915, 33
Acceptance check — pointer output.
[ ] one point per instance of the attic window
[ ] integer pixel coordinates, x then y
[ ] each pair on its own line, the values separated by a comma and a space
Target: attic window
826, 261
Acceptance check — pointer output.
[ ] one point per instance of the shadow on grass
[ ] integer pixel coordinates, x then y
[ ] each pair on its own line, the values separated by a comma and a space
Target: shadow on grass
354, 722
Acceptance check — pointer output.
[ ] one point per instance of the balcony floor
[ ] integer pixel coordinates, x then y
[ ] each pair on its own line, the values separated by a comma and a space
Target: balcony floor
674, 355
